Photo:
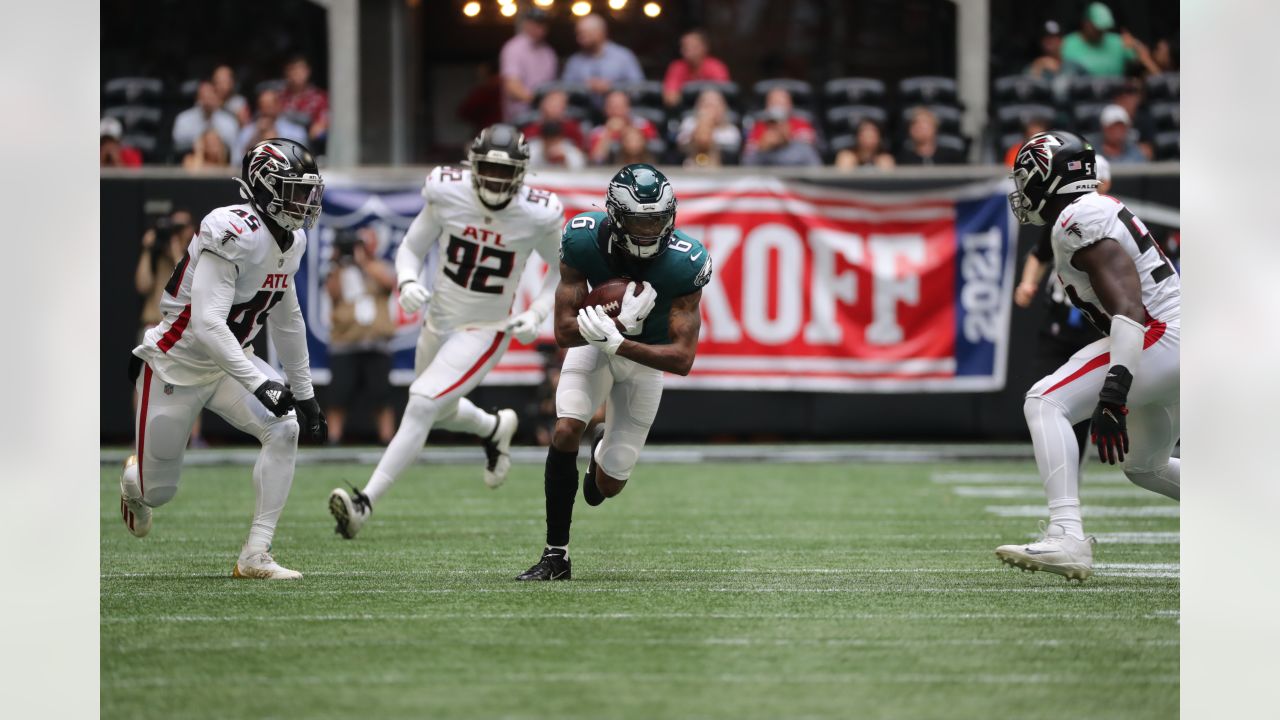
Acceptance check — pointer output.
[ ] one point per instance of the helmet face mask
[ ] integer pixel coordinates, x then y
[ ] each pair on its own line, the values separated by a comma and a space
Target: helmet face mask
498, 158
1050, 165
642, 206
281, 179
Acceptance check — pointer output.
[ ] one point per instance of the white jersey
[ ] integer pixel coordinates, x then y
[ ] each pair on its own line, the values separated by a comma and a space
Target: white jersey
482, 252
264, 277
1095, 217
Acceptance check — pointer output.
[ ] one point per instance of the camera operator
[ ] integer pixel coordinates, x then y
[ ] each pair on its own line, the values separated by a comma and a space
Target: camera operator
163, 245
360, 285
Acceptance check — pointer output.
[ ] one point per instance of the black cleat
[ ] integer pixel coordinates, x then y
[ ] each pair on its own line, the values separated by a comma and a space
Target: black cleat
590, 491
554, 565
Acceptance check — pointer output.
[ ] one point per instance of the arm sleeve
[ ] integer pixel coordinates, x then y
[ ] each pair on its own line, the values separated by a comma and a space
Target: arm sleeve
213, 290
1043, 251
1127, 339
289, 333
412, 254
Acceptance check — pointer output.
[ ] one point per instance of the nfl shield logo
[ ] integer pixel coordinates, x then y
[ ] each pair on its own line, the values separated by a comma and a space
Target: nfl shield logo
168, 389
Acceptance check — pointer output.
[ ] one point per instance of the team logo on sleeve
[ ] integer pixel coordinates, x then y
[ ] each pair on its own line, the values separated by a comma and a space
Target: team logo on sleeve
228, 235
704, 275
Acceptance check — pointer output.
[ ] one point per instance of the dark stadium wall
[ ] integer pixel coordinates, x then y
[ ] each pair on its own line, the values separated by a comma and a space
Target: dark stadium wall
129, 205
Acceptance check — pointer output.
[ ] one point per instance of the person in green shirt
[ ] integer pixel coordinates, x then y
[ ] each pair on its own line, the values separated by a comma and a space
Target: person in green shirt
1095, 48
620, 360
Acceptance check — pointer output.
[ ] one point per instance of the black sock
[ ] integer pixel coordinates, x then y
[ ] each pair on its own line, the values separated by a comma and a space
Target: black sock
561, 484
590, 491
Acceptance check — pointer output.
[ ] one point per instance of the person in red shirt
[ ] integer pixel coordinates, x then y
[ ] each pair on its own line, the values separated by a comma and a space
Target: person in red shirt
554, 109
607, 137
112, 152
799, 129
303, 102
695, 63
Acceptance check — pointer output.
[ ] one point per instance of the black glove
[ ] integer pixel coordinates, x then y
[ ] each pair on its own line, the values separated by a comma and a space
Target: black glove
275, 397
1110, 432
311, 419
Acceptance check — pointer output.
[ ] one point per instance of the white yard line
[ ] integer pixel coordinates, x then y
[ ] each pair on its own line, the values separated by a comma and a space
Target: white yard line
976, 478
644, 617
1137, 538
1005, 492
1136, 511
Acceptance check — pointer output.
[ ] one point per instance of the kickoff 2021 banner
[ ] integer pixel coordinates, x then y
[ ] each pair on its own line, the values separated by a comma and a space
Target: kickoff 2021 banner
815, 287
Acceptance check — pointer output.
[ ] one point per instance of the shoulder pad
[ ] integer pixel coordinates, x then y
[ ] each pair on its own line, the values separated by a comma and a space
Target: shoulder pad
543, 205
1086, 221
440, 178
228, 236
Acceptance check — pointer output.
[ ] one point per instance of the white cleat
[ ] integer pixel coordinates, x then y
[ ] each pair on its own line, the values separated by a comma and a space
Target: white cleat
135, 513
350, 512
1055, 552
497, 448
261, 566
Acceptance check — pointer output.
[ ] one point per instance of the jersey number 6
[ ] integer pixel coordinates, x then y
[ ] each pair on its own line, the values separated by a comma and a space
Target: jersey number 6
473, 265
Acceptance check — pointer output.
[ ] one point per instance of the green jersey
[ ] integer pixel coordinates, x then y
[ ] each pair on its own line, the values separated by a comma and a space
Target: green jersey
682, 268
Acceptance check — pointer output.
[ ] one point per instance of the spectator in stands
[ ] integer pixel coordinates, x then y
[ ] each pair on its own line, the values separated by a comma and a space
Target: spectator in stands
163, 246
600, 64
1101, 52
207, 113
1118, 144
112, 152
606, 138
798, 129
1049, 64
267, 124
1129, 96
207, 152
1165, 56
552, 148
303, 102
224, 82
868, 149
777, 145
695, 63
633, 148
482, 106
1029, 128
554, 108
526, 63
922, 146
706, 135
359, 286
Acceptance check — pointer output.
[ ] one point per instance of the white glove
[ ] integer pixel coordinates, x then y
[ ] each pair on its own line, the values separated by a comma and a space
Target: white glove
525, 326
635, 308
599, 330
413, 296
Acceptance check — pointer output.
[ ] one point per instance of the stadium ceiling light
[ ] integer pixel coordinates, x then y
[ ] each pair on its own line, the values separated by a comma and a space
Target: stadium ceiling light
471, 9
543, 3
581, 8
508, 10
617, 4
652, 9
504, 3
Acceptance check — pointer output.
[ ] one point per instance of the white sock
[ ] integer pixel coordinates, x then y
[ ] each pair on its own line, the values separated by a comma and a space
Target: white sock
272, 478
1057, 458
470, 419
419, 415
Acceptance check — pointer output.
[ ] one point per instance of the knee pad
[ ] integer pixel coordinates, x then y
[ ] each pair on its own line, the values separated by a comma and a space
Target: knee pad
422, 409
282, 432
574, 403
1035, 405
155, 496
166, 436
617, 460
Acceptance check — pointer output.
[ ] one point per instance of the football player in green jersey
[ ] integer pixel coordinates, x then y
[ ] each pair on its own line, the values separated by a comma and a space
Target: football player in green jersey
621, 360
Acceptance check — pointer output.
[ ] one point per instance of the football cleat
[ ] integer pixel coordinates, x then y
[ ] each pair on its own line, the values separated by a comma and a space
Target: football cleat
1055, 552
350, 512
590, 491
554, 565
497, 448
135, 513
261, 566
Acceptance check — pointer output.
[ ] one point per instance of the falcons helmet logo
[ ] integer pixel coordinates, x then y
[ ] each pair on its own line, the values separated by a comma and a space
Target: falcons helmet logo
1037, 154
267, 158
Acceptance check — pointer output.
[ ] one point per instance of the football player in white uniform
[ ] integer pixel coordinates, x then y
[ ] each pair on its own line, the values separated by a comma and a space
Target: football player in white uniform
1128, 382
485, 222
238, 270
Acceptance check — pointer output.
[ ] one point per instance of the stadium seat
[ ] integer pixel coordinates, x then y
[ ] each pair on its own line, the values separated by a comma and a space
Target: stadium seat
689, 93
657, 116
845, 141
132, 91
647, 93
953, 141
801, 91
1167, 145
1011, 118
1163, 87
846, 118
927, 90
853, 91
186, 95
266, 85
1165, 115
1094, 89
1021, 89
948, 117
1006, 141
1087, 117
135, 118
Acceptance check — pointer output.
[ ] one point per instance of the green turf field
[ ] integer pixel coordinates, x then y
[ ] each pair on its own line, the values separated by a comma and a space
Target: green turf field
703, 591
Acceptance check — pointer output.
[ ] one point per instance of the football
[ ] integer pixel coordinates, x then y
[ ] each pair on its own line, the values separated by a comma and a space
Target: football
608, 294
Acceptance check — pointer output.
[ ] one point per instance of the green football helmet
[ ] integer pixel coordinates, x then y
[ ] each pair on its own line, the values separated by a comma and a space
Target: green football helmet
642, 206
